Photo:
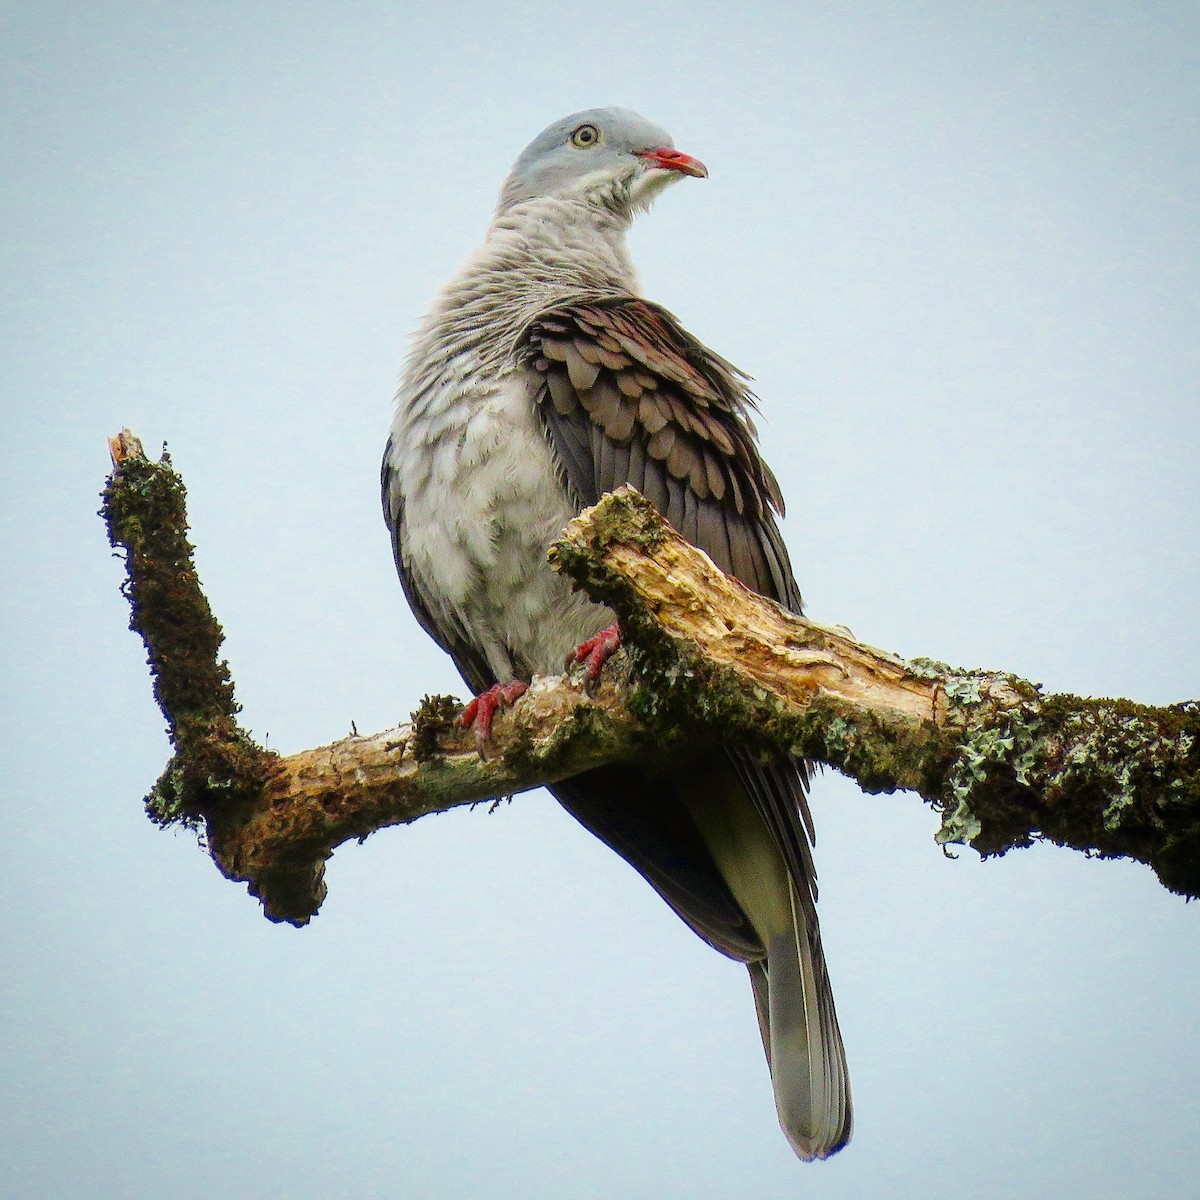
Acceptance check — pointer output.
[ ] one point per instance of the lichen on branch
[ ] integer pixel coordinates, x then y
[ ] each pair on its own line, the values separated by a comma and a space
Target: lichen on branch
1004, 764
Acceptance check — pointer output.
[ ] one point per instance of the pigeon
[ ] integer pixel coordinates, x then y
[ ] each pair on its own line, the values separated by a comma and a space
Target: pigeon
539, 380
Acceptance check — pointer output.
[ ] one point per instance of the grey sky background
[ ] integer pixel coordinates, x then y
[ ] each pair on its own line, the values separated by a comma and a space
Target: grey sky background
956, 244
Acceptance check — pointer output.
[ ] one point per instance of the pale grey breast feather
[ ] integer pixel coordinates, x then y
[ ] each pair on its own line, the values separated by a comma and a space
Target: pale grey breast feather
466, 427
540, 254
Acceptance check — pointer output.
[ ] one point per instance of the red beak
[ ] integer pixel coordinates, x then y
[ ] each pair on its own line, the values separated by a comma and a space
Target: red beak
674, 160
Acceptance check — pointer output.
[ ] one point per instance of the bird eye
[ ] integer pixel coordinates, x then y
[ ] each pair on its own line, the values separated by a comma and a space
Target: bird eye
585, 136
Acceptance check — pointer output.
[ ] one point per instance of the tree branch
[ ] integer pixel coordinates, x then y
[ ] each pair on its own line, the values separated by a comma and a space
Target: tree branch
707, 658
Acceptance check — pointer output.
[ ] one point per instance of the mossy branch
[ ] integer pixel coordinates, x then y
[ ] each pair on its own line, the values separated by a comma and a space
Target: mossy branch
706, 659
1004, 764
272, 822
216, 763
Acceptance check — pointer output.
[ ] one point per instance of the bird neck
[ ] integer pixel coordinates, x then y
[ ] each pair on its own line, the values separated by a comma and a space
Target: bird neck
554, 245
537, 254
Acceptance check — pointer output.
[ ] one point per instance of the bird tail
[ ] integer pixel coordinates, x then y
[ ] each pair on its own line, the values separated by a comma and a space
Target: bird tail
802, 1041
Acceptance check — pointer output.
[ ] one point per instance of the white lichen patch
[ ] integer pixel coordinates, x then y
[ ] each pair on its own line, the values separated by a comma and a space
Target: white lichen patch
992, 751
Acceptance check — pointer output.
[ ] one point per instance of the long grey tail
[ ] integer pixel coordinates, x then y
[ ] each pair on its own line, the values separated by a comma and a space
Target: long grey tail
802, 1041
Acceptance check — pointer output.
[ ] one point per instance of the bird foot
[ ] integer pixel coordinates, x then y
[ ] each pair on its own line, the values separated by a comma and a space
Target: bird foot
481, 711
596, 651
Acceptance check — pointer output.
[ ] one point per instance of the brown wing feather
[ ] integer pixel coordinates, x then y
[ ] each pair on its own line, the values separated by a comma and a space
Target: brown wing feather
639, 375
657, 409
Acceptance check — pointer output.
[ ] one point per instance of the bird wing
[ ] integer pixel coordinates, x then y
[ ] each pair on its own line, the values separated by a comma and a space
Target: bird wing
627, 395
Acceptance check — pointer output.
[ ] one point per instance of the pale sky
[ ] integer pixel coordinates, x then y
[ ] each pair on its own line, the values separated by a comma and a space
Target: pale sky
956, 245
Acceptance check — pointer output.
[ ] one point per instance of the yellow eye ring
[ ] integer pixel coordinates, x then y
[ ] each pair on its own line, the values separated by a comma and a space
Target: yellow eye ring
585, 137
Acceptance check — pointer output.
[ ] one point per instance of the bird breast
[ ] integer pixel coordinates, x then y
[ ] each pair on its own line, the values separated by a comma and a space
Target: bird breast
483, 501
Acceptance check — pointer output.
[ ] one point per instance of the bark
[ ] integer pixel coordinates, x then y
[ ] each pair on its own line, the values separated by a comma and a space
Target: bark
1004, 764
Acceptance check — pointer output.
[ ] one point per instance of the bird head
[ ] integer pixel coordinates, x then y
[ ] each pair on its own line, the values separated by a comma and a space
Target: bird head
608, 157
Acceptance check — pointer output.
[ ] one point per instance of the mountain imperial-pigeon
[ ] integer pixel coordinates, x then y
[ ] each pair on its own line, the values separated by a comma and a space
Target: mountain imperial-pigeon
539, 380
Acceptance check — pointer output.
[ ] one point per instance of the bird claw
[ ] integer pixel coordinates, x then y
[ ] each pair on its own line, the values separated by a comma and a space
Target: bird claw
481, 711
595, 652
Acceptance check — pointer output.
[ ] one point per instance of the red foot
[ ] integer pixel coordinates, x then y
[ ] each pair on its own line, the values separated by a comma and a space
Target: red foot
596, 651
482, 710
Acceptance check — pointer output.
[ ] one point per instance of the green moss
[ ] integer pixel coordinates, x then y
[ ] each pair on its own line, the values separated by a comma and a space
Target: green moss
1010, 766
433, 719
623, 517
627, 518
1109, 777
680, 693
145, 510
216, 762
